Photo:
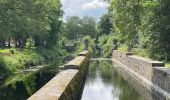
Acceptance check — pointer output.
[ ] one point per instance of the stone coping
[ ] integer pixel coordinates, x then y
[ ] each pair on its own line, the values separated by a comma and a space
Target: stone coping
75, 63
84, 53
131, 55
62, 82
55, 87
163, 69
126, 53
154, 63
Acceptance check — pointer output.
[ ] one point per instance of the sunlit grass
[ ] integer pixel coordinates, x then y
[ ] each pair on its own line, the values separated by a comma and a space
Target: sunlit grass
167, 64
14, 60
4, 50
123, 49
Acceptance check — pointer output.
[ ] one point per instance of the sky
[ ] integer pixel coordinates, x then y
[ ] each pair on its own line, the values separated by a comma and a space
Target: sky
94, 8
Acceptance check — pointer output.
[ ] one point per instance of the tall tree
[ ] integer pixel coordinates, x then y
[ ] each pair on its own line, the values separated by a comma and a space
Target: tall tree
80, 26
21, 19
105, 25
144, 23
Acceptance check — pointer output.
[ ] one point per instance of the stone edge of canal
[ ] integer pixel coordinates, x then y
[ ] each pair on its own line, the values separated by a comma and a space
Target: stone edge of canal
150, 78
66, 85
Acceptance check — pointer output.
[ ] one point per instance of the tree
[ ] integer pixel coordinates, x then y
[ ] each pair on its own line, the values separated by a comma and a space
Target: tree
72, 27
144, 24
126, 20
79, 26
154, 30
105, 25
89, 26
22, 19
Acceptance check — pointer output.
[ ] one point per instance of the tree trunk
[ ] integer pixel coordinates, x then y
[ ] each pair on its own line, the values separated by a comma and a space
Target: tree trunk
9, 42
19, 42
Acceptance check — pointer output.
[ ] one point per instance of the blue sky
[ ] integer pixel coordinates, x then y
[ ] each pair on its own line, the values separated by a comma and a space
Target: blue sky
94, 8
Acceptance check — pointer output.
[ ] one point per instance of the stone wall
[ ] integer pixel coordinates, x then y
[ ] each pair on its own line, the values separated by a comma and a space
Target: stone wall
161, 77
68, 84
149, 71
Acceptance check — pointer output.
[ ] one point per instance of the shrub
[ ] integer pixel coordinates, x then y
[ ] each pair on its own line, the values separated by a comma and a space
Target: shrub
105, 43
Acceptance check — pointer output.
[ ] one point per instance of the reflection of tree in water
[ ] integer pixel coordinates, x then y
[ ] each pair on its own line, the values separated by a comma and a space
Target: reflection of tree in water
110, 77
106, 71
21, 86
92, 71
18, 87
103, 68
126, 91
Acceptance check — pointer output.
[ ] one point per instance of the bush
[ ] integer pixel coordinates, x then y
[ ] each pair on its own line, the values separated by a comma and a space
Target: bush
80, 46
24, 58
105, 43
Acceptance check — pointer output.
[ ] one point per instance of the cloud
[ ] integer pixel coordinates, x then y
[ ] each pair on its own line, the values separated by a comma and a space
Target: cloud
94, 8
95, 4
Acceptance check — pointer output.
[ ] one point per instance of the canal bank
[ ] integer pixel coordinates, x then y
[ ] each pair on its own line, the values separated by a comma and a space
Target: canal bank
66, 85
152, 78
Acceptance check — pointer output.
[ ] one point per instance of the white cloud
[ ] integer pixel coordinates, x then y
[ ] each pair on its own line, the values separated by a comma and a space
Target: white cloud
81, 8
95, 4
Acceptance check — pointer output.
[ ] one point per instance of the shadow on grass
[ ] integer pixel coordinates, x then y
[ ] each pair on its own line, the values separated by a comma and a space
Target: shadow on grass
3, 69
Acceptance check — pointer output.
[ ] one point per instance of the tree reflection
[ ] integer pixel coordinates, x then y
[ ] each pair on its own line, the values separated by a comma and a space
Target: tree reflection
103, 79
21, 86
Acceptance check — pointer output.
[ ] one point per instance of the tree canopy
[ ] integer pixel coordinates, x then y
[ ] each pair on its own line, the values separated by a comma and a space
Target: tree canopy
105, 25
75, 26
21, 19
143, 24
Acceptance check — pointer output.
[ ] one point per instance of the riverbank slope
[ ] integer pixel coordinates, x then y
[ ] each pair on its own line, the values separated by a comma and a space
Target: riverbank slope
13, 60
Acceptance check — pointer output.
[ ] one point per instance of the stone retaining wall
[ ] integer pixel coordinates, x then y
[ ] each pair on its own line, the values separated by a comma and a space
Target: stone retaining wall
153, 71
68, 84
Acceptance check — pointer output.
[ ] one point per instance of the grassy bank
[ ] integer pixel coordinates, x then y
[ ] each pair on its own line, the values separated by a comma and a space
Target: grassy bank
13, 60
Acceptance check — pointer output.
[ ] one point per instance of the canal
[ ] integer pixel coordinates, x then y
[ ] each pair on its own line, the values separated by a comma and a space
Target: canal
104, 83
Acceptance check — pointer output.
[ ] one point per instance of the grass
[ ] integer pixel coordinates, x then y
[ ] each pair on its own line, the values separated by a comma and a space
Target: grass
23, 58
123, 49
5, 51
167, 64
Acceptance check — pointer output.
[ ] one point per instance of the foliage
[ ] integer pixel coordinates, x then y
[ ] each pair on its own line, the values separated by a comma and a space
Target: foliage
23, 58
123, 48
105, 24
167, 64
142, 52
76, 26
143, 24
105, 43
80, 46
30, 44
91, 43
21, 19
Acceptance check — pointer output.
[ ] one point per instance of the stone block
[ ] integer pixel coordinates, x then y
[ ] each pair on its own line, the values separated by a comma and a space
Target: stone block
55, 87
84, 53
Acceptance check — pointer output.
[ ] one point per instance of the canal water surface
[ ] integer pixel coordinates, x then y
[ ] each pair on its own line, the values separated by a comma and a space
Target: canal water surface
104, 83
22, 85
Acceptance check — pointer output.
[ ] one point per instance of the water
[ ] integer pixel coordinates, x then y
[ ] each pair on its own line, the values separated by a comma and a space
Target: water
104, 83
23, 85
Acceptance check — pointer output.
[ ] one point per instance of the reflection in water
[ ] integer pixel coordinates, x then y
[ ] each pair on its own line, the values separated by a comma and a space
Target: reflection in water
23, 85
104, 83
